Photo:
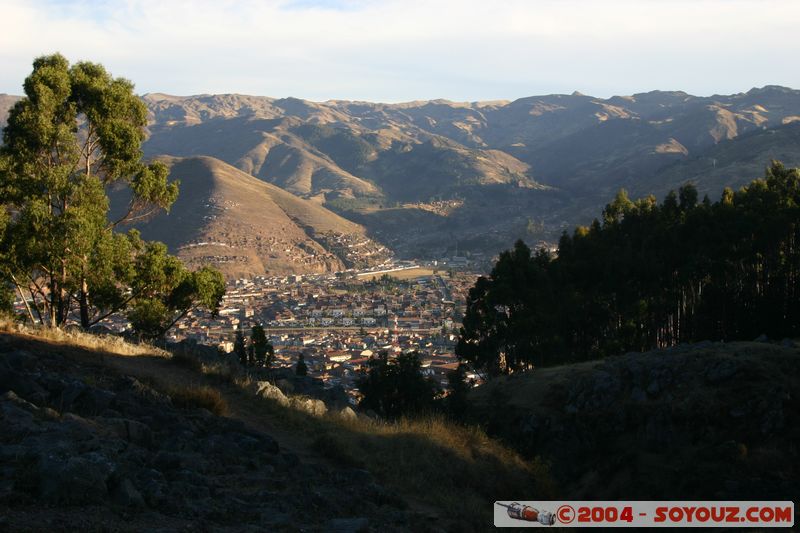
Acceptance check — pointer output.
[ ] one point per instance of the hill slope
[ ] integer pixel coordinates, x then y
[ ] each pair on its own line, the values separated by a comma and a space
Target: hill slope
246, 227
709, 420
97, 434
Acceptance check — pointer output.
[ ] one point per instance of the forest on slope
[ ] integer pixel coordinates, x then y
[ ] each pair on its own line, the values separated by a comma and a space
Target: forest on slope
649, 275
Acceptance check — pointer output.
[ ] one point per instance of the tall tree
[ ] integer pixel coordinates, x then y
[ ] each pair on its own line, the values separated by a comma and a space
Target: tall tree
240, 347
396, 387
648, 276
262, 350
75, 136
302, 368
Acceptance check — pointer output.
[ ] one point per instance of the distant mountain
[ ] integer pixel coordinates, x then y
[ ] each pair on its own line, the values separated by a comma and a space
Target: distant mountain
439, 177
7, 101
728, 162
264, 148
325, 151
246, 227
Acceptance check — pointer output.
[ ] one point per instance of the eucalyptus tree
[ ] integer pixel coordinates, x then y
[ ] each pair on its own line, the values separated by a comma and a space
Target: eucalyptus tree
73, 138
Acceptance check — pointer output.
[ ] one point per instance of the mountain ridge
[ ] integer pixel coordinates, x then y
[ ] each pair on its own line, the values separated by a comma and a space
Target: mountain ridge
553, 159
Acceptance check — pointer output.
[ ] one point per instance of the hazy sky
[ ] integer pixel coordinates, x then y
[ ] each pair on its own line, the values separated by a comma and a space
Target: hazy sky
398, 50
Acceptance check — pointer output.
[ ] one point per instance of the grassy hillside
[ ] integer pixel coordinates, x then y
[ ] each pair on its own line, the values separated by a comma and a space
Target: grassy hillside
402, 476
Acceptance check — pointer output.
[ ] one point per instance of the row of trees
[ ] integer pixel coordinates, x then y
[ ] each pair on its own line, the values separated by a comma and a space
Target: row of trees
397, 387
647, 276
73, 139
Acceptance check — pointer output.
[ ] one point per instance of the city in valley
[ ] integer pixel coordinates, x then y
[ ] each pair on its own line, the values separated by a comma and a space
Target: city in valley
337, 321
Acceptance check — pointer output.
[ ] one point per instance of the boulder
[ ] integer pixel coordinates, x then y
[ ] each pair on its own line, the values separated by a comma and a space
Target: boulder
18, 416
127, 495
347, 413
130, 430
347, 525
265, 389
73, 480
311, 406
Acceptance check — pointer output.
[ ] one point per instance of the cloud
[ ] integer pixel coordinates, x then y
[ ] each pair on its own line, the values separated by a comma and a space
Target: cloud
400, 50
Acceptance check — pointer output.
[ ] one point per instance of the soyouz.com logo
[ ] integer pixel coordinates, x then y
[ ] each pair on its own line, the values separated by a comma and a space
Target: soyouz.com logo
644, 514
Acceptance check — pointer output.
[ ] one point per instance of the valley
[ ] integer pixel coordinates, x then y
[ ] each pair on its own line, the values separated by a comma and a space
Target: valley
429, 179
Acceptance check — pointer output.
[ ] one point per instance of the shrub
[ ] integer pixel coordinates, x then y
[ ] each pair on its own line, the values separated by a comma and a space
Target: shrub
204, 397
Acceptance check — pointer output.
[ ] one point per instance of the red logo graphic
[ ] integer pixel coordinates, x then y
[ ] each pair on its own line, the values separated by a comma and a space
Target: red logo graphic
565, 514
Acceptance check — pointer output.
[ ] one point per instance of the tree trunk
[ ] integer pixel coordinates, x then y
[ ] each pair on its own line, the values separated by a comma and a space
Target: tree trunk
24, 300
84, 305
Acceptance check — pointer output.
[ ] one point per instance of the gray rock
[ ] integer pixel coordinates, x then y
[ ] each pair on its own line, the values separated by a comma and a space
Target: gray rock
638, 395
75, 480
347, 525
127, 495
761, 338
265, 389
311, 406
130, 430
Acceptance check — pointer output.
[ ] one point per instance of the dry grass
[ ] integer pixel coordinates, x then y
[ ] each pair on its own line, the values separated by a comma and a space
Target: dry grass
432, 460
453, 466
409, 273
193, 396
73, 337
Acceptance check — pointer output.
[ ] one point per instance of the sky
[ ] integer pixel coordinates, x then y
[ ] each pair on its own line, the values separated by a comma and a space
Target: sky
402, 50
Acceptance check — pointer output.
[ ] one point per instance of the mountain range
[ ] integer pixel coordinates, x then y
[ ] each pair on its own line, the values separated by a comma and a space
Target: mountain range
436, 178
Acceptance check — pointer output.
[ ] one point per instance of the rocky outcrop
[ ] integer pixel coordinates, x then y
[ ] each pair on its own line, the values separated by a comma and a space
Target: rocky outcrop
281, 385
82, 446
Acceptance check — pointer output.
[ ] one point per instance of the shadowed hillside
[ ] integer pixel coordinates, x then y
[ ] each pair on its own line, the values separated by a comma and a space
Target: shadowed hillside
97, 434
704, 421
